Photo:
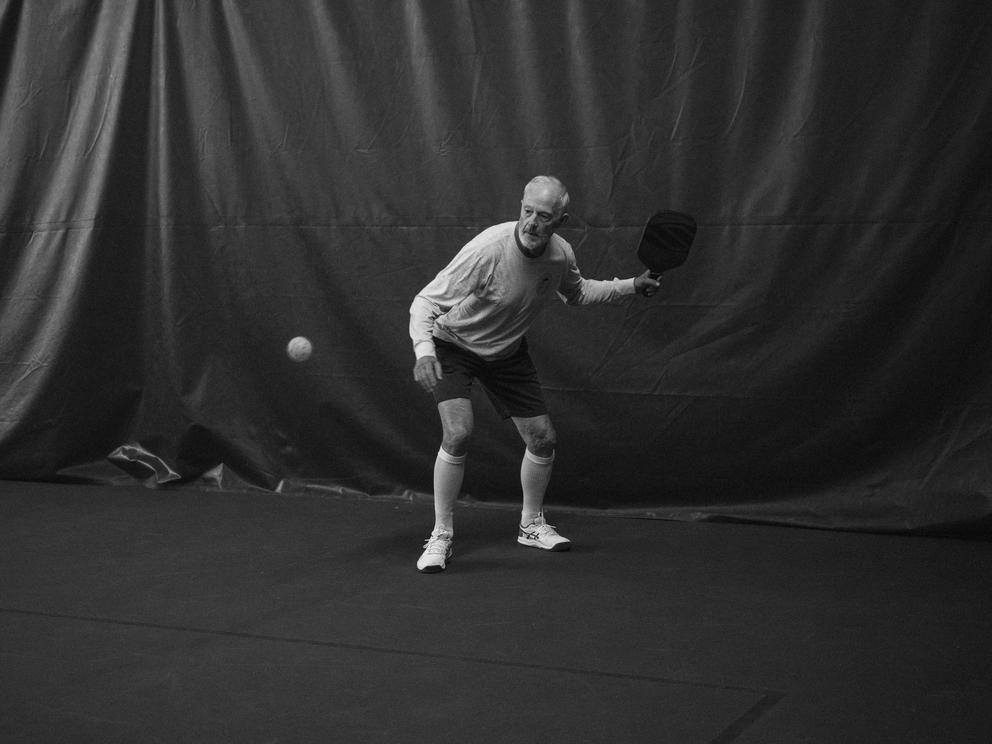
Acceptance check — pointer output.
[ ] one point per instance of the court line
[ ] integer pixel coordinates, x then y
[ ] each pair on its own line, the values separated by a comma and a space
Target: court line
769, 698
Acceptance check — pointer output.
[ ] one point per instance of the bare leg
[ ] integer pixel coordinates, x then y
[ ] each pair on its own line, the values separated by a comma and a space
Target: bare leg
539, 435
457, 421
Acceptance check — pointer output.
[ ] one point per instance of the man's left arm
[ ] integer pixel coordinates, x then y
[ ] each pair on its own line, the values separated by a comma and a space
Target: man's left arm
577, 290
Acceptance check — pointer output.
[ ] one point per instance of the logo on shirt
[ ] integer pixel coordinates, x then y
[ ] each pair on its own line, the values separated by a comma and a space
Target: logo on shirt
543, 284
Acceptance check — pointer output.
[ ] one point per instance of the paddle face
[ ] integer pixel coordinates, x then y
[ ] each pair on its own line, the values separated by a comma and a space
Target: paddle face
666, 241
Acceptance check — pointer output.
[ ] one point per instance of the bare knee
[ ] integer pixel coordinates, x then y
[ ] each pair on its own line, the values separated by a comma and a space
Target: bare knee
541, 439
543, 446
456, 438
457, 422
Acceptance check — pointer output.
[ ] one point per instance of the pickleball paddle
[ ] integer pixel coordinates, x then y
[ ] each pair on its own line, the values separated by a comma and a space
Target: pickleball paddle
666, 241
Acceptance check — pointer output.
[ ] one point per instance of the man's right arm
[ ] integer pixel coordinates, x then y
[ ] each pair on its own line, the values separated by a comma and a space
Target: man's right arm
423, 313
469, 269
452, 284
427, 369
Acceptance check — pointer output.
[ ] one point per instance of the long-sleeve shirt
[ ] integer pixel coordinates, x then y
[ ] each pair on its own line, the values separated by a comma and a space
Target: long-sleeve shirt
490, 293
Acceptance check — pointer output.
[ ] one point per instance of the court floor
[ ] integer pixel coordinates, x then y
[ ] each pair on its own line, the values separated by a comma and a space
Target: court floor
130, 614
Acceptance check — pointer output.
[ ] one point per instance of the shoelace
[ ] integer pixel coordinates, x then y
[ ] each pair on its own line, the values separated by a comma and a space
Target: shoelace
542, 529
437, 544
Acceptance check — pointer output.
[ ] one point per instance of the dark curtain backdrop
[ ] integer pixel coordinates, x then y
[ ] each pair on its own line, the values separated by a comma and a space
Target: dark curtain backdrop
187, 185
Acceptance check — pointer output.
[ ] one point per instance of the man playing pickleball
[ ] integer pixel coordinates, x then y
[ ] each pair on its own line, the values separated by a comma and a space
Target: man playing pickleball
470, 323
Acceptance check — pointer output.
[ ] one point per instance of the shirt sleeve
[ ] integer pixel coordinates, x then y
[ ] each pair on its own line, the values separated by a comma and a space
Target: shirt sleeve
577, 290
468, 271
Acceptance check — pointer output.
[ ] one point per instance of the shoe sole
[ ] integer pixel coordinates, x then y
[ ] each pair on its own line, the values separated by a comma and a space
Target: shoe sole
558, 548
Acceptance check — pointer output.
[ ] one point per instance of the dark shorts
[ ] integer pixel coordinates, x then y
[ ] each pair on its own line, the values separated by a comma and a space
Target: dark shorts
510, 383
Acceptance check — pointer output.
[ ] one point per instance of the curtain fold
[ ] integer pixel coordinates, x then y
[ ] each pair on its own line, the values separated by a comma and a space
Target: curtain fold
186, 186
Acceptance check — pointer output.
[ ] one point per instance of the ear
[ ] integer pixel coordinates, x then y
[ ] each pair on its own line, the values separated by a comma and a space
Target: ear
563, 219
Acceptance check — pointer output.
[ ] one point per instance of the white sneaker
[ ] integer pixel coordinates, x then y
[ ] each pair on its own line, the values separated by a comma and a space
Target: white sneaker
437, 550
540, 534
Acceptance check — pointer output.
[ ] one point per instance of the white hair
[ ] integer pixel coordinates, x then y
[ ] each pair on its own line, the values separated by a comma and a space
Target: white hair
561, 203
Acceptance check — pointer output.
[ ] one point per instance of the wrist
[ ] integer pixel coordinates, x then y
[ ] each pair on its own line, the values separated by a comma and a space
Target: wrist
424, 349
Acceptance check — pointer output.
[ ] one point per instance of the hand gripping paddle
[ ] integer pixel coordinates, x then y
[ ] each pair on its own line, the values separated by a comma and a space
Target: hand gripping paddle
665, 241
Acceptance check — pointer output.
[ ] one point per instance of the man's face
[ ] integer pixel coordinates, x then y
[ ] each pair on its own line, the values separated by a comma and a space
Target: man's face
539, 217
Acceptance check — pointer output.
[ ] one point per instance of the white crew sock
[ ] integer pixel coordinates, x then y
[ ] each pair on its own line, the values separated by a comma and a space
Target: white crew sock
535, 473
449, 471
